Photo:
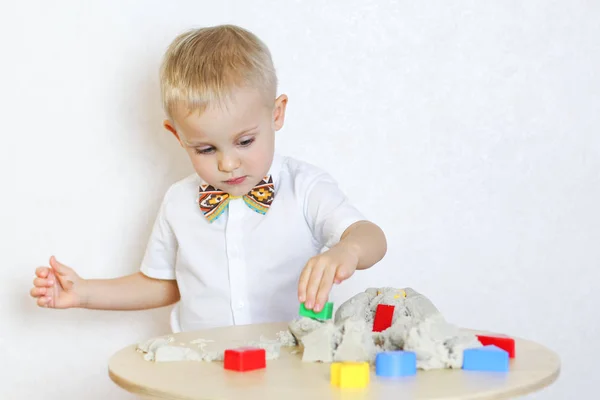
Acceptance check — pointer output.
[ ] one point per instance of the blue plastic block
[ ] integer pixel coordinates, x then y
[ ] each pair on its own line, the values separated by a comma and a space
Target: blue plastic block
486, 358
396, 363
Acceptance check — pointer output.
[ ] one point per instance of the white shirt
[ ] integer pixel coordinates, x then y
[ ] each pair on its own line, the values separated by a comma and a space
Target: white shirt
244, 267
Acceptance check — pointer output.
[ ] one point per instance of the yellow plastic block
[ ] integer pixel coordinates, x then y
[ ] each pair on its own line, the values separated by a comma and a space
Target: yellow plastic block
350, 375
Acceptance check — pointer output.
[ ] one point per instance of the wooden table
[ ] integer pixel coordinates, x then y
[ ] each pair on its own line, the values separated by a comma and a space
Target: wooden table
289, 378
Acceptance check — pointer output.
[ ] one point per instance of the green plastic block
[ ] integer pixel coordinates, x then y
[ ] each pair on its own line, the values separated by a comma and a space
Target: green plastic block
324, 314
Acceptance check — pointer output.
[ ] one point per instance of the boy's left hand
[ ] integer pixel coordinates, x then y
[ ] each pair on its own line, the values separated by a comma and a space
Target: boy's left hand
322, 271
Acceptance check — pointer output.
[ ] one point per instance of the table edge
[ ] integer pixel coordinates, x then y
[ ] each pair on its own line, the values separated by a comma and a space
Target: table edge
522, 390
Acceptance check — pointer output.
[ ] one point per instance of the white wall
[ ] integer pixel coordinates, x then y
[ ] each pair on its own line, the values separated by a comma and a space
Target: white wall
467, 130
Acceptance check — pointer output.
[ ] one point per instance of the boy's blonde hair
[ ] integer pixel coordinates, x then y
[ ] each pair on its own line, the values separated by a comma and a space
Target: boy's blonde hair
203, 66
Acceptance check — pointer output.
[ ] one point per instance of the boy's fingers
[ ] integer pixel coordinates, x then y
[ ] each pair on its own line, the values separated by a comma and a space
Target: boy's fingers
62, 273
65, 282
37, 291
41, 272
303, 282
43, 301
313, 286
60, 269
324, 288
40, 282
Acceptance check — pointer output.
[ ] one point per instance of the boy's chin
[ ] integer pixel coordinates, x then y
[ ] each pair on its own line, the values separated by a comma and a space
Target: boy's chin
238, 191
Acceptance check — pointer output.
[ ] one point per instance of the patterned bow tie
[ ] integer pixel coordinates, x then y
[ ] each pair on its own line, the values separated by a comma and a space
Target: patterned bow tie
213, 201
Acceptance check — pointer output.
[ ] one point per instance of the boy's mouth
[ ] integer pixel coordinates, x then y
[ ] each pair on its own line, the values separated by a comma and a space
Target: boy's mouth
235, 181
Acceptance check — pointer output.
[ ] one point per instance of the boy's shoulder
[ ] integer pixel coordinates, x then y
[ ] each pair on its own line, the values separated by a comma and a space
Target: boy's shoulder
182, 189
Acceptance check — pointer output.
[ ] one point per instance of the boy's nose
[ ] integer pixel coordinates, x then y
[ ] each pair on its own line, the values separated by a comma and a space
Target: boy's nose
228, 163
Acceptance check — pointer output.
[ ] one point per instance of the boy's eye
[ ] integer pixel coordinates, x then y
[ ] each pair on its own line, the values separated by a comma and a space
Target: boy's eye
204, 150
246, 142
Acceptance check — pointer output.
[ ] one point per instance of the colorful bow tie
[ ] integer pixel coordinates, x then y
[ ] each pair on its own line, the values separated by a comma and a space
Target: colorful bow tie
213, 201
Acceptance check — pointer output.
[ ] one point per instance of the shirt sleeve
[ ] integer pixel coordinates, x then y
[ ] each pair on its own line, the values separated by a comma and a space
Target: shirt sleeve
327, 209
161, 250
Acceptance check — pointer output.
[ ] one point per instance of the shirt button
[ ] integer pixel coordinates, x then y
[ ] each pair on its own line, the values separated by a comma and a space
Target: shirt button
240, 305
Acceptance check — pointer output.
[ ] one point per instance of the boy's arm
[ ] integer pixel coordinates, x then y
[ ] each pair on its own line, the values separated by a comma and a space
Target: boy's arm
366, 241
131, 292
59, 286
361, 246
353, 242
153, 286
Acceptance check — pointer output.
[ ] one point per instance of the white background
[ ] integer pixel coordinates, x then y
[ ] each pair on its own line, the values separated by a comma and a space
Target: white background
467, 130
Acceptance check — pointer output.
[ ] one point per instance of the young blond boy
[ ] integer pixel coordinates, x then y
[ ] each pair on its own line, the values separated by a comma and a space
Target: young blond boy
241, 240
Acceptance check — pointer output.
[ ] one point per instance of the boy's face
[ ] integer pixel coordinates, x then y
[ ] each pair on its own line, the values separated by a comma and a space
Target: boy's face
231, 147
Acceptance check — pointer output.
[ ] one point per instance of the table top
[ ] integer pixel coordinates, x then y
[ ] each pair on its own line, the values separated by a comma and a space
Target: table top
287, 377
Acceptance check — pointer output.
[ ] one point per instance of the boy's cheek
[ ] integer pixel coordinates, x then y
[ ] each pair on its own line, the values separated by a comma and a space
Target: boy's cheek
198, 163
202, 170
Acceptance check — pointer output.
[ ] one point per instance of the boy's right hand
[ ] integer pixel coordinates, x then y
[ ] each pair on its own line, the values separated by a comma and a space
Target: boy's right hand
56, 287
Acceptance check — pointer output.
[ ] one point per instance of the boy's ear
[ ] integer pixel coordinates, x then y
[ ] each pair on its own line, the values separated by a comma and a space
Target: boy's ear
279, 111
171, 128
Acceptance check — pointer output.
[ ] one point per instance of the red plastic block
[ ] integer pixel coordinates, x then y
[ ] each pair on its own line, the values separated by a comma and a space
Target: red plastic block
504, 342
383, 317
245, 359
